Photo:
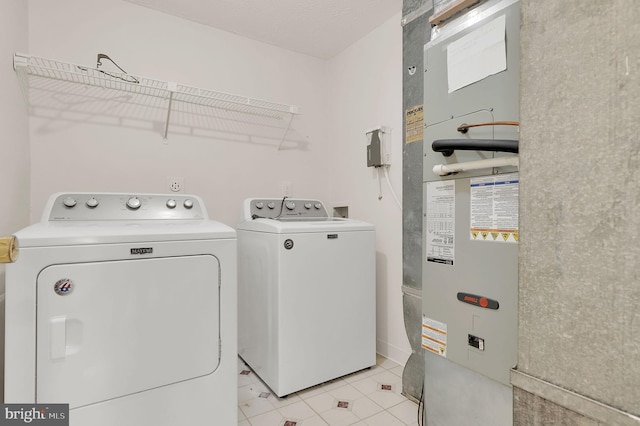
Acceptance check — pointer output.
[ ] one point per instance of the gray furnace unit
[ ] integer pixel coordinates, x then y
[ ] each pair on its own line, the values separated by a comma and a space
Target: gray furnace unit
470, 252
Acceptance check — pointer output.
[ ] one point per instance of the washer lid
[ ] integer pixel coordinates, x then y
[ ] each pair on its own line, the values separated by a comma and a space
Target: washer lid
284, 226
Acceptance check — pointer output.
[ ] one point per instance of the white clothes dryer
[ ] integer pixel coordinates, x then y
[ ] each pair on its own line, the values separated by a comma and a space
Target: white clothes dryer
124, 307
306, 293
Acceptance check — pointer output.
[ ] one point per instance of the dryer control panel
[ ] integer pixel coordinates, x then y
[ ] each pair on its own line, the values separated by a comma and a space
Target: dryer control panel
284, 208
110, 206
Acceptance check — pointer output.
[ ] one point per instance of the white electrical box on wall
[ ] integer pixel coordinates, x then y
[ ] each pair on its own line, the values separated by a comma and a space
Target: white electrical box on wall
379, 147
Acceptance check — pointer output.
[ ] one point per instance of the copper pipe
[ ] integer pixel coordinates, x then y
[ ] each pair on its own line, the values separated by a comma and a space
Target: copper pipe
463, 128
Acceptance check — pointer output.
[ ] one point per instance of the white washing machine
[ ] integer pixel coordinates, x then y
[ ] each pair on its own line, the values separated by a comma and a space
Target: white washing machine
306, 293
124, 307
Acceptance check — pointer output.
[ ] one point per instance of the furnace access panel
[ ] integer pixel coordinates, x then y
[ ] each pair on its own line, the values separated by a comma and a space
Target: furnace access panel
470, 252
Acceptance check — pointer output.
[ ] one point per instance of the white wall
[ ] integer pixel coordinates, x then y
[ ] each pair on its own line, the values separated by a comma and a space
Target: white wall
14, 143
73, 155
365, 91
339, 99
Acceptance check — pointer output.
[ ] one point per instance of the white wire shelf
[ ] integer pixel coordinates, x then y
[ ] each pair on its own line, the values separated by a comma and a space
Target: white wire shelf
73, 84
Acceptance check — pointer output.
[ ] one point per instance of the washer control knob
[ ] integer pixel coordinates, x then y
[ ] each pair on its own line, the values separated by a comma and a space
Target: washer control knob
69, 202
188, 203
92, 203
171, 204
271, 205
290, 205
307, 206
317, 206
134, 203
259, 205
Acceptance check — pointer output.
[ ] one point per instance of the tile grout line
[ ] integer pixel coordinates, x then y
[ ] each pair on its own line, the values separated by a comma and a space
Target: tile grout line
379, 364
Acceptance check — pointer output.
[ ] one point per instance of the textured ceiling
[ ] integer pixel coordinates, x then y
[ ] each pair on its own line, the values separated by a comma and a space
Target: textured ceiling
320, 28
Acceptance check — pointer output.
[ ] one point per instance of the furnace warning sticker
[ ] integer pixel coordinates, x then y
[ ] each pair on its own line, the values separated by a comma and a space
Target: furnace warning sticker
434, 336
494, 208
414, 123
441, 220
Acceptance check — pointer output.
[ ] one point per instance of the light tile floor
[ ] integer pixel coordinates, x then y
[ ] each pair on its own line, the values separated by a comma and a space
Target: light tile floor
370, 397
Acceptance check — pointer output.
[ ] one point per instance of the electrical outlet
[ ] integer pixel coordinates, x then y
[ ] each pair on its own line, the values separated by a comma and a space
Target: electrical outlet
176, 184
286, 189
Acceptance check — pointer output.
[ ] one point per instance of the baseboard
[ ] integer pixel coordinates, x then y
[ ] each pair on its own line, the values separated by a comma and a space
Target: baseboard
394, 353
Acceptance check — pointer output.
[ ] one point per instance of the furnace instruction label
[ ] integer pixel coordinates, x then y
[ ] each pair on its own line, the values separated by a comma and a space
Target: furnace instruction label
494, 208
441, 220
434, 336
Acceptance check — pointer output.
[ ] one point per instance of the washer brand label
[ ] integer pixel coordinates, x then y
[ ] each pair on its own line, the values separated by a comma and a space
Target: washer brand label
63, 287
142, 250
35, 414
332, 236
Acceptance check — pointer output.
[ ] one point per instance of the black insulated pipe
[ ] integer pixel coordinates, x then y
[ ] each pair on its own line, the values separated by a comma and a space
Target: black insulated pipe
448, 146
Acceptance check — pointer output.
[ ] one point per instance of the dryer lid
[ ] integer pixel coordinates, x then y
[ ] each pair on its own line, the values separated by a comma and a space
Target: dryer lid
104, 232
